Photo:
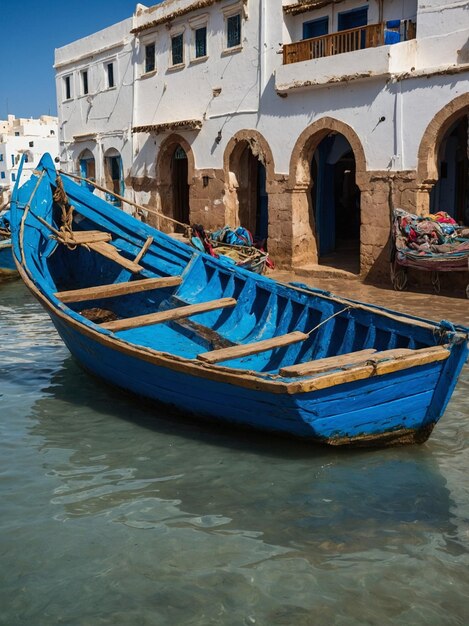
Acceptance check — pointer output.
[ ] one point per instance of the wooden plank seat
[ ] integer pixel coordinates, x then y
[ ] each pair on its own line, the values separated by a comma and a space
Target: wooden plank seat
382, 362
117, 289
110, 252
99, 242
238, 351
83, 237
322, 365
171, 314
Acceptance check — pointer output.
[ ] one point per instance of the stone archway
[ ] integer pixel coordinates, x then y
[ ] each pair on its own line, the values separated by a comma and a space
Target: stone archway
249, 173
304, 234
427, 166
174, 176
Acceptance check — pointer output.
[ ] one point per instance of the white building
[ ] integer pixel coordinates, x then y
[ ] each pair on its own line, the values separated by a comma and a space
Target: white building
303, 120
28, 136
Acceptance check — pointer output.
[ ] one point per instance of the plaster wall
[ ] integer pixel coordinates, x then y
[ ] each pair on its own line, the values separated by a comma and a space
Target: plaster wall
101, 119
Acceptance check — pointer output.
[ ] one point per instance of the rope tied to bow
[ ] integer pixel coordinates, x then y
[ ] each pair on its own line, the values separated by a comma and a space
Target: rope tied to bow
61, 198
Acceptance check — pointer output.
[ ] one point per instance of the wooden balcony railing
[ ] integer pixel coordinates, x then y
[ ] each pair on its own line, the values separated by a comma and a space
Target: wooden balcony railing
369, 36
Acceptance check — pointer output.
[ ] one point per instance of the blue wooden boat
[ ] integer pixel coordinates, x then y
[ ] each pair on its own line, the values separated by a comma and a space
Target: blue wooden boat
170, 323
7, 264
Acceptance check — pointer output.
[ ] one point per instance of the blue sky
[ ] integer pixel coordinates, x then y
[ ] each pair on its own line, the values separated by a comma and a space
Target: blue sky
31, 30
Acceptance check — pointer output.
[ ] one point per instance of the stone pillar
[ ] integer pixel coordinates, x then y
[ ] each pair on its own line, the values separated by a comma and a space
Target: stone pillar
422, 198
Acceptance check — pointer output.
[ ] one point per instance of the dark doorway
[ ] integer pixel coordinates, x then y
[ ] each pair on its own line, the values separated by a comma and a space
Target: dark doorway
180, 170
451, 192
252, 192
335, 201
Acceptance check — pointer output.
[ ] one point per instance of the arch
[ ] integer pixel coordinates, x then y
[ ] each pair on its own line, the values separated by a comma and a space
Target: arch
249, 173
170, 196
310, 226
86, 167
259, 147
310, 139
427, 163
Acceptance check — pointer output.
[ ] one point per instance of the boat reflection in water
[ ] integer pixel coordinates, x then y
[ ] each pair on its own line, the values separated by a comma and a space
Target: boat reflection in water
318, 503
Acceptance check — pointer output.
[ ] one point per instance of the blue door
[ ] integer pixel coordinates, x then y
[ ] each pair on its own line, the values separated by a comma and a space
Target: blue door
325, 199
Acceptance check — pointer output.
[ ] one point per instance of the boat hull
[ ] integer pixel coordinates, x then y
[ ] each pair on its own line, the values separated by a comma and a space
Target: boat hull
366, 413
7, 263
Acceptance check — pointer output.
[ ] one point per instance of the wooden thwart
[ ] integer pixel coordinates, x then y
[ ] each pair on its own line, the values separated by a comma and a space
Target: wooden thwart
236, 352
117, 289
171, 314
144, 250
83, 237
112, 253
328, 363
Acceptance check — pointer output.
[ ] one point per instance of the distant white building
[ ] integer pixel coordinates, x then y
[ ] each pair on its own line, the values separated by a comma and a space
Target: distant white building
304, 120
24, 136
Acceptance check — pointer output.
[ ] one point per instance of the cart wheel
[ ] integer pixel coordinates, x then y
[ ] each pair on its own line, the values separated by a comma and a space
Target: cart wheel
436, 282
398, 277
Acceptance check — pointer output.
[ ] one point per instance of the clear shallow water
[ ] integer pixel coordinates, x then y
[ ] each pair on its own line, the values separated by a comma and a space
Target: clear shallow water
113, 512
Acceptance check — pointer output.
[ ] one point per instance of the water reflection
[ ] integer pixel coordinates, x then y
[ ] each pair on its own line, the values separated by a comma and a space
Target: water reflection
143, 467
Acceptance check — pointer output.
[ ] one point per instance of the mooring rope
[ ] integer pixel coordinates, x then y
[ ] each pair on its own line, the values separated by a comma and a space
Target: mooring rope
350, 306
61, 198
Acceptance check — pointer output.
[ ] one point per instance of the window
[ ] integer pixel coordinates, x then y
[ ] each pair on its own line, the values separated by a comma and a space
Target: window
352, 19
84, 83
31, 144
67, 87
149, 58
25, 158
233, 31
2, 175
316, 28
201, 42
110, 75
1, 157
13, 159
177, 50
17, 133
13, 176
52, 132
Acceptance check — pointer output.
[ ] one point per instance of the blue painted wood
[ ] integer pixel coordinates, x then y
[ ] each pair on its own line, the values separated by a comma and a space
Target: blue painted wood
7, 264
160, 361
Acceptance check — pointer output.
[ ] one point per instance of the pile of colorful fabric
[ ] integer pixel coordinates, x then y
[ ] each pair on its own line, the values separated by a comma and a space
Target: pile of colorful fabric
433, 243
231, 246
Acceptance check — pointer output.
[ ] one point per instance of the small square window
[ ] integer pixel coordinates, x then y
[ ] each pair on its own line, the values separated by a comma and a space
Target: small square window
67, 87
150, 58
31, 144
17, 133
177, 51
110, 75
201, 42
233, 31
84, 83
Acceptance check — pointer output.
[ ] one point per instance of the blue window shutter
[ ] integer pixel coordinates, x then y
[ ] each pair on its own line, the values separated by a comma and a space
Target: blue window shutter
352, 19
316, 28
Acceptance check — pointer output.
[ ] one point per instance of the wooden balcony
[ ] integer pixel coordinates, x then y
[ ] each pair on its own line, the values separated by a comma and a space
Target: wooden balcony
370, 36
